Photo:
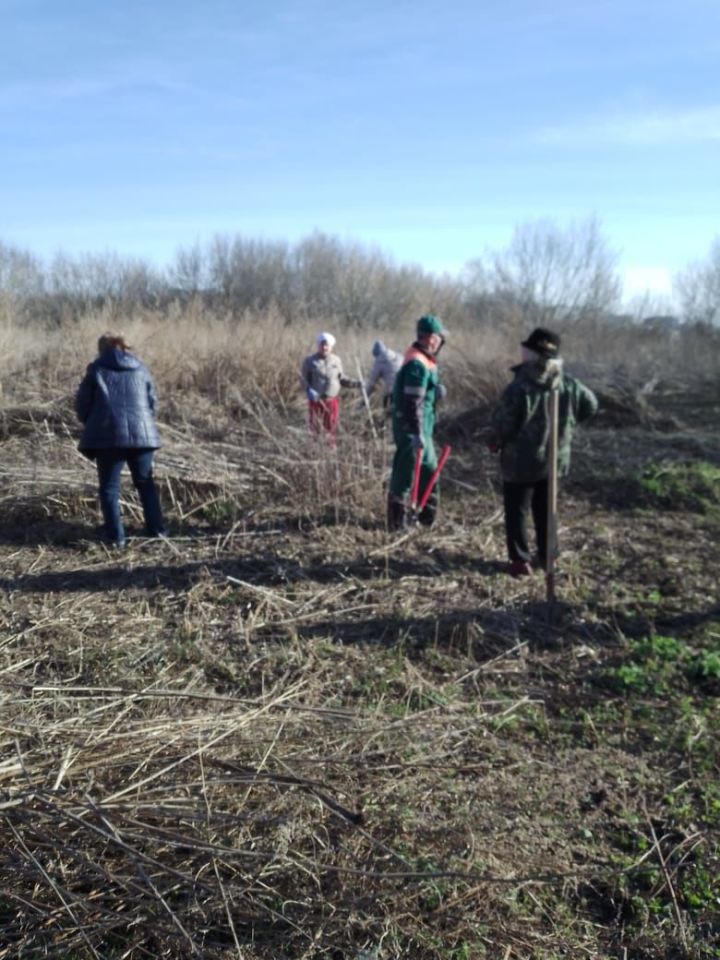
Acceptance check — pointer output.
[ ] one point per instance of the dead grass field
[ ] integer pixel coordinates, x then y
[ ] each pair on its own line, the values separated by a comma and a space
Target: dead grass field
284, 734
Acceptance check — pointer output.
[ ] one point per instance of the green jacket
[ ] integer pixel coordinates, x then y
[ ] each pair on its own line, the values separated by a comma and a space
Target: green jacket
415, 395
520, 421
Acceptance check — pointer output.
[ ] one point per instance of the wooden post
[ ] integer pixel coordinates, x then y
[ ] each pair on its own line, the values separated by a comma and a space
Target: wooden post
366, 399
552, 521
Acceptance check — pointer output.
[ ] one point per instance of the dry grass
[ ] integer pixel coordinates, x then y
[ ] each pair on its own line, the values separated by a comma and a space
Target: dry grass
284, 734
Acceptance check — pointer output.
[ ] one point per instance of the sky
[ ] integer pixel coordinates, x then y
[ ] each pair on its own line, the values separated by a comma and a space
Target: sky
430, 129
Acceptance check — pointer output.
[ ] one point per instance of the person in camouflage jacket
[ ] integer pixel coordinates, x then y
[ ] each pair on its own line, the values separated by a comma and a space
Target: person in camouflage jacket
520, 432
416, 392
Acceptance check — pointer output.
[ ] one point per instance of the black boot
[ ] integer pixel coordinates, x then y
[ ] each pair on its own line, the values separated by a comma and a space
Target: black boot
427, 514
395, 514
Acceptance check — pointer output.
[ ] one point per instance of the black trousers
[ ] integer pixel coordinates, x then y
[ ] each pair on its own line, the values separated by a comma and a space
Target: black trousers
519, 499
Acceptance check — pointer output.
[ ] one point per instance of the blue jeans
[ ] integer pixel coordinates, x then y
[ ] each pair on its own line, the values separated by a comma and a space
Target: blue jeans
109, 468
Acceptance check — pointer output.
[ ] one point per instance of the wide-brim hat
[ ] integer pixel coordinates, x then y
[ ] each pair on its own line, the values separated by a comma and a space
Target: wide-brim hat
543, 342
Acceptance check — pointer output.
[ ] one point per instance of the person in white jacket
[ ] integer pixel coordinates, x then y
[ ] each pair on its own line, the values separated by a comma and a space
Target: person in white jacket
385, 366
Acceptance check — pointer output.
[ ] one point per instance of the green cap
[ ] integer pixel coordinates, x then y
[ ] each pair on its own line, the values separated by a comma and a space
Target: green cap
430, 324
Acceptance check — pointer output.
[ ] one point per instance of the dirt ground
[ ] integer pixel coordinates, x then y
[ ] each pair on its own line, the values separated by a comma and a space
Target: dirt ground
284, 733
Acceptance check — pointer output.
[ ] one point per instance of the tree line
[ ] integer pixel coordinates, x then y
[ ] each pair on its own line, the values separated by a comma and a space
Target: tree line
547, 275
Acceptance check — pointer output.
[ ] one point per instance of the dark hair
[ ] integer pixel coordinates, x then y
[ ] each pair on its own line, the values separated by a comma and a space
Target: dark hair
113, 341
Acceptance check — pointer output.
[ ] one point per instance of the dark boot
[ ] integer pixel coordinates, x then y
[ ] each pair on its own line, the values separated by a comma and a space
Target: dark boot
395, 514
427, 514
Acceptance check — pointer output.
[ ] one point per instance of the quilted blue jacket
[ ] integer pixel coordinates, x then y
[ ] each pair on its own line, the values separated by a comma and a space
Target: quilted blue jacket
116, 403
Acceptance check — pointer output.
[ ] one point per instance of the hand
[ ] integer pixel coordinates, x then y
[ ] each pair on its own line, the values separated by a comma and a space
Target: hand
416, 442
312, 395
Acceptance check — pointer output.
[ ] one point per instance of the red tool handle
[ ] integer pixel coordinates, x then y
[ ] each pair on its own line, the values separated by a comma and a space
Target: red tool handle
433, 479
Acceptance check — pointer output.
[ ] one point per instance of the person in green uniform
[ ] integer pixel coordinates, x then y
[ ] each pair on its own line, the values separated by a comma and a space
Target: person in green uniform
415, 395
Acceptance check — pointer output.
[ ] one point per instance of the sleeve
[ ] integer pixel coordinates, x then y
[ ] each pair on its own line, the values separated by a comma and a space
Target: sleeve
345, 381
507, 417
85, 396
414, 389
586, 403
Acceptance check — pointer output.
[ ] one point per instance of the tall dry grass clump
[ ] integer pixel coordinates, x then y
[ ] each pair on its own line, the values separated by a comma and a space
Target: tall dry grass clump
211, 364
250, 358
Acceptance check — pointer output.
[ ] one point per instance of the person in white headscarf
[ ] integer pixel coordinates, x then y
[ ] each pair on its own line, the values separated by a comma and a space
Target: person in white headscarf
321, 378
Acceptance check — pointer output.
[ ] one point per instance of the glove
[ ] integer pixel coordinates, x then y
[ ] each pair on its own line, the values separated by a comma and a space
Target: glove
312, 395
441, 391
417, 441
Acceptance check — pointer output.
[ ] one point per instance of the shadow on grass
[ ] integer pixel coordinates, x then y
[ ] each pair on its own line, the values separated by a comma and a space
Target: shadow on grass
636, 625
477, 632
44, 531
124, 570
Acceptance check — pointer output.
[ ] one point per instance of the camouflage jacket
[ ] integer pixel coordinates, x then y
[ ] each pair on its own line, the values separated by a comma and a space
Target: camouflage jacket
521, 420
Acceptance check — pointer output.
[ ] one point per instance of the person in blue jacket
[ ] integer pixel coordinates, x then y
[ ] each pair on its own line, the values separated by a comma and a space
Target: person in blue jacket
116, 403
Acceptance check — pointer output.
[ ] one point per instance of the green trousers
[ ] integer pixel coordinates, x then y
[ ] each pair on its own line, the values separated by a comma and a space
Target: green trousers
403, 466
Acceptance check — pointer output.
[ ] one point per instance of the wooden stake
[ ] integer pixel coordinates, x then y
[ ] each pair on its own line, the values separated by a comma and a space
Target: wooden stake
366, 399
552, 522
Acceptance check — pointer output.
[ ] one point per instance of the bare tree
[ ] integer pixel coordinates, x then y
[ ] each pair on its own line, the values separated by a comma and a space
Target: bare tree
188, 274
697, 289
550, 276
249, 273
21, 274
93, 279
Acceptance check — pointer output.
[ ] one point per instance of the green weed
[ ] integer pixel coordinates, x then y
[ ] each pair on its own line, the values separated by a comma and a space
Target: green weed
708, 664
662, 665
682, 486
653, 668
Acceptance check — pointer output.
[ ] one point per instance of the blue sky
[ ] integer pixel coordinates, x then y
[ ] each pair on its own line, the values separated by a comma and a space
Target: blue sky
430, 129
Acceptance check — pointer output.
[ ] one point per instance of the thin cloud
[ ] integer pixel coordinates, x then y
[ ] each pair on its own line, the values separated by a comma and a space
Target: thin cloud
694, 125
82, 88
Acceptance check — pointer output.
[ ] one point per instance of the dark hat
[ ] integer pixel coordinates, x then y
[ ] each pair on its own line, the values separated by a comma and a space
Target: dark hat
544, 342
430, 324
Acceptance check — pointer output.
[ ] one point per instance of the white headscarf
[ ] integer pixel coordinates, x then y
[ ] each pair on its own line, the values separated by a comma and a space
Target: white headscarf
327, 338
